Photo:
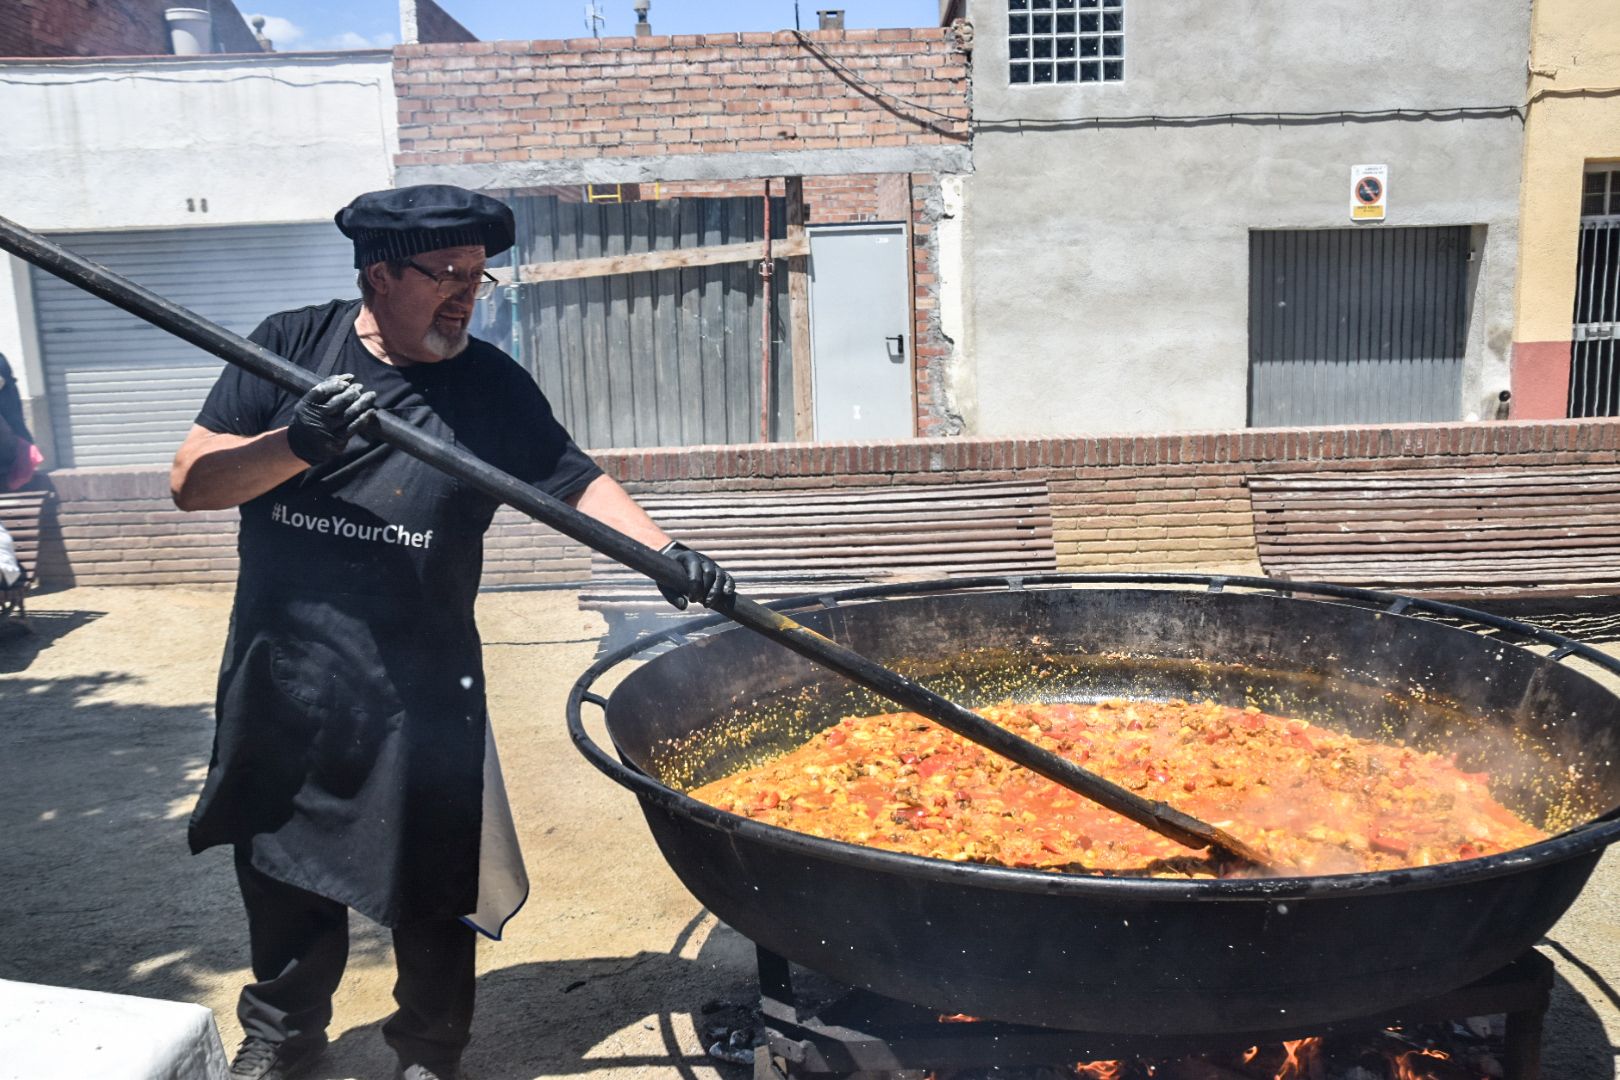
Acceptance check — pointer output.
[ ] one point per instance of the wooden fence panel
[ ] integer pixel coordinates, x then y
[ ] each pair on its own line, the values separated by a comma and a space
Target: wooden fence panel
662, 357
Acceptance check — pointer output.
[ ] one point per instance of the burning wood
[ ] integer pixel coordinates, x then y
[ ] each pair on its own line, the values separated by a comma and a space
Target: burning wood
1447, 1053
1100, 1070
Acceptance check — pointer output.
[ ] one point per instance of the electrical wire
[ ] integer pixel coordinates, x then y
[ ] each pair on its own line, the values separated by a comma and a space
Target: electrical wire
854, 76
1574, 91
1256, 117
1282, 117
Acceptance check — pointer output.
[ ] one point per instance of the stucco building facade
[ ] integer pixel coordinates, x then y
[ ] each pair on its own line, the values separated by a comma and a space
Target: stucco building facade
1139, 171
211, 179
1570, 216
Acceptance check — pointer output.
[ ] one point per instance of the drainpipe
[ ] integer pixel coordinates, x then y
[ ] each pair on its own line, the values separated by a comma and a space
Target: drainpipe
767, 271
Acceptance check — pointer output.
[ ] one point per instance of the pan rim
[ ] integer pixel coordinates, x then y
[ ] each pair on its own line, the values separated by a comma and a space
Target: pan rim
1584, 839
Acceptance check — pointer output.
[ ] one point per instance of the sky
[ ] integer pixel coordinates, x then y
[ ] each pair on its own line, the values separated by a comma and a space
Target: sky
307, 25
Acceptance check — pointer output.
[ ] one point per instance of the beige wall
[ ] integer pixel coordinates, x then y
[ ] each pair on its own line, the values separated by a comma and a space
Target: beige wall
1573, 119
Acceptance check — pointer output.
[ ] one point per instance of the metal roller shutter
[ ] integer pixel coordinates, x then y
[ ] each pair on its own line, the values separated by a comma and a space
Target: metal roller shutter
1357, 326
123, 392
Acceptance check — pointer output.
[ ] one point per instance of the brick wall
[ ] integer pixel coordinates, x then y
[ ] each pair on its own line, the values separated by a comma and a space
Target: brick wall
517, 101
107, 27
829, 200
1119, 503
82, 28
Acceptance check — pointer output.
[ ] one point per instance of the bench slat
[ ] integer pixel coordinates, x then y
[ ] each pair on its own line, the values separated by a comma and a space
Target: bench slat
1426, 539
1553, 530
823, 545
895, 529
1434, 479
787, 542
878, 561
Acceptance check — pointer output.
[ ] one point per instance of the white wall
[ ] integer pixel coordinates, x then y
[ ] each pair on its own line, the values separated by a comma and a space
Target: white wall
1107, 266
92, 145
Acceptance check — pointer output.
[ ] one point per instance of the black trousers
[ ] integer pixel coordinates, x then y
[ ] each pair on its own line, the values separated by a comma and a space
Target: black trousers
300, 945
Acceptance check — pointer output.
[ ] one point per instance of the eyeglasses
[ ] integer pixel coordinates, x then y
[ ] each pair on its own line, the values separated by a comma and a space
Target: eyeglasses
451, 286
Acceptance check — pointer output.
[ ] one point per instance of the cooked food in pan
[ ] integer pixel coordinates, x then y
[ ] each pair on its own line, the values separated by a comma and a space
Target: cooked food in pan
1314, 801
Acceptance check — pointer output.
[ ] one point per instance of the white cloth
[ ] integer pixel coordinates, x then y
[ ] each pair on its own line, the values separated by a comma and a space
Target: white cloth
10, 569
503, 883
54, 1032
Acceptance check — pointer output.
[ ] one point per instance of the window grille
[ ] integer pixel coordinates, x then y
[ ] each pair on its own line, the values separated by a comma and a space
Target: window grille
1594, 376
1065, 41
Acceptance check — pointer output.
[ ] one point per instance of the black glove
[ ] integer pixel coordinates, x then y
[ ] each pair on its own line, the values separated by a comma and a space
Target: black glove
706, 583
325, 417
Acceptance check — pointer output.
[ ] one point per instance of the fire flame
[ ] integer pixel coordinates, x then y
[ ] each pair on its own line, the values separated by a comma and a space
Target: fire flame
1303, 1059
1304, 1056
1408, 1065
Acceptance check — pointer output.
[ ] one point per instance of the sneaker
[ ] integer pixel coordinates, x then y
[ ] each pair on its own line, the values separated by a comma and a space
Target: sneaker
262, 1059
422, 1072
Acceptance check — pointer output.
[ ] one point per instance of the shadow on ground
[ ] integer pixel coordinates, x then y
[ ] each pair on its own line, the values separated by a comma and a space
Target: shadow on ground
22, 640
623, 1013
99, 890
1576, 1045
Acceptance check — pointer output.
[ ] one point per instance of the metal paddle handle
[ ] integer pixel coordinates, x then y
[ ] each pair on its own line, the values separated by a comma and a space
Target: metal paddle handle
464, 466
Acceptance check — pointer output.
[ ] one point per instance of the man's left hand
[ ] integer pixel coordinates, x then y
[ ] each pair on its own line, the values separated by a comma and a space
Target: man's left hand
706, 582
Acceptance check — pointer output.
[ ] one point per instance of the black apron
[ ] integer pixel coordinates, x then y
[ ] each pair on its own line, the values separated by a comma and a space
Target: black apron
349, 751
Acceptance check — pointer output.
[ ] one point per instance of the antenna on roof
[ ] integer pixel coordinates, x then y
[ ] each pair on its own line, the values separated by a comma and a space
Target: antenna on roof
796, 25
593, 18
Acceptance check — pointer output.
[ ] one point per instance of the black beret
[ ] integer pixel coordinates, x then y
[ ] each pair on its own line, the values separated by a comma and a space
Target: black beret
402, 222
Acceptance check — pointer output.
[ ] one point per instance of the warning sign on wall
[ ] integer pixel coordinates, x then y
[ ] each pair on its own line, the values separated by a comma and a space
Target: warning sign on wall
1369, 192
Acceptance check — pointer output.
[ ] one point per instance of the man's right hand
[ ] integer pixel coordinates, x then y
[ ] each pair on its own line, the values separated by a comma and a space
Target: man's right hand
325, 418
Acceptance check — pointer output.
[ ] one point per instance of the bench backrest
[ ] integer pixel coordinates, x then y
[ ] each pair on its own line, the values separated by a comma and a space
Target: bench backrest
1506, 531
858, 534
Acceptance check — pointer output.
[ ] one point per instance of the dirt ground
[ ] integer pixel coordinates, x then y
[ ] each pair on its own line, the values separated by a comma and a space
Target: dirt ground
612, 970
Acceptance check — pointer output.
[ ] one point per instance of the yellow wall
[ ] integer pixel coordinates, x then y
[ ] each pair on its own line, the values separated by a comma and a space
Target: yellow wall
1575, 47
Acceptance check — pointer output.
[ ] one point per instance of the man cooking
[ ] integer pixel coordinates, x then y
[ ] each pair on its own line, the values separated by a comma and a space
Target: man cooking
353, 765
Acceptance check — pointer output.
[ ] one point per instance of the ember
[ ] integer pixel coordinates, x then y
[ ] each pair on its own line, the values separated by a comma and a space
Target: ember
1386, 1055
1100, 1070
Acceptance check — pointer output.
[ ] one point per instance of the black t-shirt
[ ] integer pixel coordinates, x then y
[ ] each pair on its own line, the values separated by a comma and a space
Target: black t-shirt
489, 402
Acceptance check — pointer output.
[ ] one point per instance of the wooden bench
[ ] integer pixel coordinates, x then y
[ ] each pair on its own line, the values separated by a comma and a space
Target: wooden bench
1509, 533
784, 543
20, 515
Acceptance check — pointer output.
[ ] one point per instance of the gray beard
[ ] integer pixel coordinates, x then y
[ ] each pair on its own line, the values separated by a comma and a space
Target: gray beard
442, 345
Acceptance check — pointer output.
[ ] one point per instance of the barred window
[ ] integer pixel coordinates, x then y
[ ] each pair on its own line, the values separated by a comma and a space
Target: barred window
1065, 41
1600, 197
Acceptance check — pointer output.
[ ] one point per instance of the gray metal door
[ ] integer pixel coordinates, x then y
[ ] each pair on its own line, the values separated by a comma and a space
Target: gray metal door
123, 392
1594, 377
1357, 326
860, 345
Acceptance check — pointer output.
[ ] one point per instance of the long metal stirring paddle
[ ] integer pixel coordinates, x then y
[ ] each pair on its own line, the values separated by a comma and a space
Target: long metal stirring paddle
464, 466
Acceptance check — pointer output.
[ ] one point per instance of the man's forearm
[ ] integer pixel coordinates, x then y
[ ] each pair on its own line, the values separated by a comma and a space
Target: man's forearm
606, 501
212, 471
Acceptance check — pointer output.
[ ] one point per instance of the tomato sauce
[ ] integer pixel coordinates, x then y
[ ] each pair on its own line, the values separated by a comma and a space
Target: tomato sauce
1313, 800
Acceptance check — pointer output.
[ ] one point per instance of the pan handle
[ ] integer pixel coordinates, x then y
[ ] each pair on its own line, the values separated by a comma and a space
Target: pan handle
470, 469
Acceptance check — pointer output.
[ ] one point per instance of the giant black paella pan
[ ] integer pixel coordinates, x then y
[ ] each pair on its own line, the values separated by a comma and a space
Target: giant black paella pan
1114, 954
